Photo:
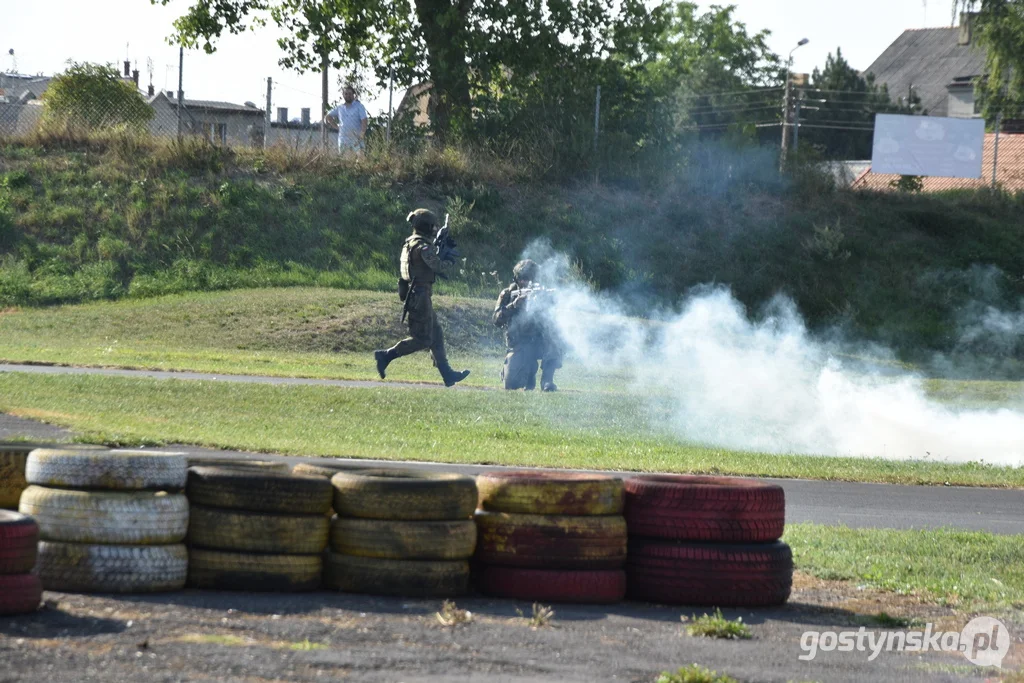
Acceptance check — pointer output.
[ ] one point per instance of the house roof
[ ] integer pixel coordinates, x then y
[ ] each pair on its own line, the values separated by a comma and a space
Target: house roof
209, 105
928, 59
1009, 173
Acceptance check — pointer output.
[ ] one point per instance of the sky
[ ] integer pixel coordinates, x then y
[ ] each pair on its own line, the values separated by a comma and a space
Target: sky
45, 34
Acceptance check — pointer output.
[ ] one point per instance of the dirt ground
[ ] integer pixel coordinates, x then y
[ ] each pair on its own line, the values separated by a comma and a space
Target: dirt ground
324, 636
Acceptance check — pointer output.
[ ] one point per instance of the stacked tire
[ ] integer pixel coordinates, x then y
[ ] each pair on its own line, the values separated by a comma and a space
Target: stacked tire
20, 591
109, 521
698, 540
402, 532
551, 537
13, 457
256, 529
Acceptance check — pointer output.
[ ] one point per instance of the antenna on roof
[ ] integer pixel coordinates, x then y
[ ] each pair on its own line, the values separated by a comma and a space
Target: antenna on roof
14, 61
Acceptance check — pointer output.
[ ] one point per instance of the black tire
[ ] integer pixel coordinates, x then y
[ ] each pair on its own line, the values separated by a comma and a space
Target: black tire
19, 537
406, 578
279, 466
401, 540
95, 568
404, 495
714, 574
219, 570
551, 541
258, 491
257, 532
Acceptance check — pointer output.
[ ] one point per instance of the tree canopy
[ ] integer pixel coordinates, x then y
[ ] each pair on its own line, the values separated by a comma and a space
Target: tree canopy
94, 96
999, 28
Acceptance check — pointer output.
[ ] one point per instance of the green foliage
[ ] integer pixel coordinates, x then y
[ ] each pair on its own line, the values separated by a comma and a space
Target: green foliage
93, 96
844, 103
999, 29
694, 674
907, 183
717, 626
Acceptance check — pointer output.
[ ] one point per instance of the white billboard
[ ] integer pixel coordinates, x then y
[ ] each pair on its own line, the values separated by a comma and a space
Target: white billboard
928, 146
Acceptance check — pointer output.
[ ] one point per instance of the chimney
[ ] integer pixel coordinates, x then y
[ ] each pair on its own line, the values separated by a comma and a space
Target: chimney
181, 95
305, 116
966, 20
127, 68
282, 114
135, 77
152, 90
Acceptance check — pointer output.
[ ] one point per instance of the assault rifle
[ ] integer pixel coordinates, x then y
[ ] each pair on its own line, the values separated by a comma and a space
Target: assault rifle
445, 243
526, 294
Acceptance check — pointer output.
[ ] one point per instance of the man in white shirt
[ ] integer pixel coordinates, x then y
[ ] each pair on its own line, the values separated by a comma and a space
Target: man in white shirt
351, 120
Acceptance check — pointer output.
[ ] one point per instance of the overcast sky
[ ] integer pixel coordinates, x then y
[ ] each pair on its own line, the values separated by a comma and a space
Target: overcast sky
46, 33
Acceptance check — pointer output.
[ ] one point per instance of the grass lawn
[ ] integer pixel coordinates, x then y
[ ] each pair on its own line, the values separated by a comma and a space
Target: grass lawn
583, 430
967, 570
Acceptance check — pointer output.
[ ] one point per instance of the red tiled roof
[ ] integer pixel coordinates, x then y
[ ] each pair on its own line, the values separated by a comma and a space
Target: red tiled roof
1009, 174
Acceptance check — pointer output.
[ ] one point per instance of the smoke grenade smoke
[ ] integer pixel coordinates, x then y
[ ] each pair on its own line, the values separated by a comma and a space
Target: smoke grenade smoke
766, 385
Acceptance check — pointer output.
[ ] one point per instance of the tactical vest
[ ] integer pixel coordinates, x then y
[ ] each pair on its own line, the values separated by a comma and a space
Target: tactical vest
413, 267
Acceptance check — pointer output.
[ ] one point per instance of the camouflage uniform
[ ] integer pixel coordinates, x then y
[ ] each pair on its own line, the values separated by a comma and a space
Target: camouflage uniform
419, 266
530, 338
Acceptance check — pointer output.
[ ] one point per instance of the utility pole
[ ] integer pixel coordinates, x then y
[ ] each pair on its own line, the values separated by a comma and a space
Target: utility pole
323, 101
786, 105
266, 114
391, 93
181, 95
796, 122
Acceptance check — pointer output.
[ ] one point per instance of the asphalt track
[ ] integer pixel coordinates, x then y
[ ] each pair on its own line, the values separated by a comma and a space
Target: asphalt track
883, 506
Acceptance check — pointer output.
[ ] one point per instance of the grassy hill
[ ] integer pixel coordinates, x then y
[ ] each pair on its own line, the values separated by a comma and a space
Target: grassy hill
126, 217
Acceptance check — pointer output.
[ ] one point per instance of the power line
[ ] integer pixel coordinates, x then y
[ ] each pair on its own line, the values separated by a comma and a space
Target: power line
723, 110
734, 93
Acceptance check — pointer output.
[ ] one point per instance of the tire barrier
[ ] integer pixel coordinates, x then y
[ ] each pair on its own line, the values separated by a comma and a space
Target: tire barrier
550, 493
328, 468
239, 464
701, 540
717, 574
13, 457
410, 495
402, 532
20, 591
108, 568
554, 585
258, 491
105, 525
256, 530
223, 570
407, 578
695, 508
539, 526
115, 470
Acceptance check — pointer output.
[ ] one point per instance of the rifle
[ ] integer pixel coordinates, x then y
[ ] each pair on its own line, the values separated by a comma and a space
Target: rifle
445, 243
528, 293
407, 302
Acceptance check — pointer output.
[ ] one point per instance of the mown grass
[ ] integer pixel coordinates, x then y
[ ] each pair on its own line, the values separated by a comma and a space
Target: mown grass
968, 570
574, 430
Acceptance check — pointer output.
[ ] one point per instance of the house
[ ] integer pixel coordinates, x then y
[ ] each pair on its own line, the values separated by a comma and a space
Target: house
218, 122
302, 133
936, 65
416, 102
1009, 172
15, 87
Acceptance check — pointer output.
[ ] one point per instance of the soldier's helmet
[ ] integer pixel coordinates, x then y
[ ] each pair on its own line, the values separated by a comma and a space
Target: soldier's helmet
525, 271
422, 220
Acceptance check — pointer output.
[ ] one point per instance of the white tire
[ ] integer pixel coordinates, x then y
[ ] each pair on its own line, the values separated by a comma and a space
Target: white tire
111, 470
120, 517
85, 568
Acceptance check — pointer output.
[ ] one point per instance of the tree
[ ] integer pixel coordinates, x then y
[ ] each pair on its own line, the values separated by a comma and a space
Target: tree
93, 96
462, 46
999, 28
837, 111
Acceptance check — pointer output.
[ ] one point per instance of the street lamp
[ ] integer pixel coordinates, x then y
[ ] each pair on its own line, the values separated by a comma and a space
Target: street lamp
785, 111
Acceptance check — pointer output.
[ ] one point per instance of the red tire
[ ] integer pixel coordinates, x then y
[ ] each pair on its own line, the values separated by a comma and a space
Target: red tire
694, 508
597, 587
722, 575
19, 540
20, 593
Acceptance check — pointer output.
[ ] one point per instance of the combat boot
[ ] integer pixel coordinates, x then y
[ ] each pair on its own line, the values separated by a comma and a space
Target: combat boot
383, 358
547, 380
452, 377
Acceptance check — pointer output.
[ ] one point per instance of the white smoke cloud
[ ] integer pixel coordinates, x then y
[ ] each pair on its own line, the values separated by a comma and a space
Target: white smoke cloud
766, 385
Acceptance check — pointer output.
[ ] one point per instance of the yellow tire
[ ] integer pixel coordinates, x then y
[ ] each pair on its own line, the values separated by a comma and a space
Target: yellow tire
257, 532
550, 493
551, 541
403, 540
404, 494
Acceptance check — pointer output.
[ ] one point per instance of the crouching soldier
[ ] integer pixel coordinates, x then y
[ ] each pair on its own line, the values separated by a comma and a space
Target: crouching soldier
524, 310
420, 266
